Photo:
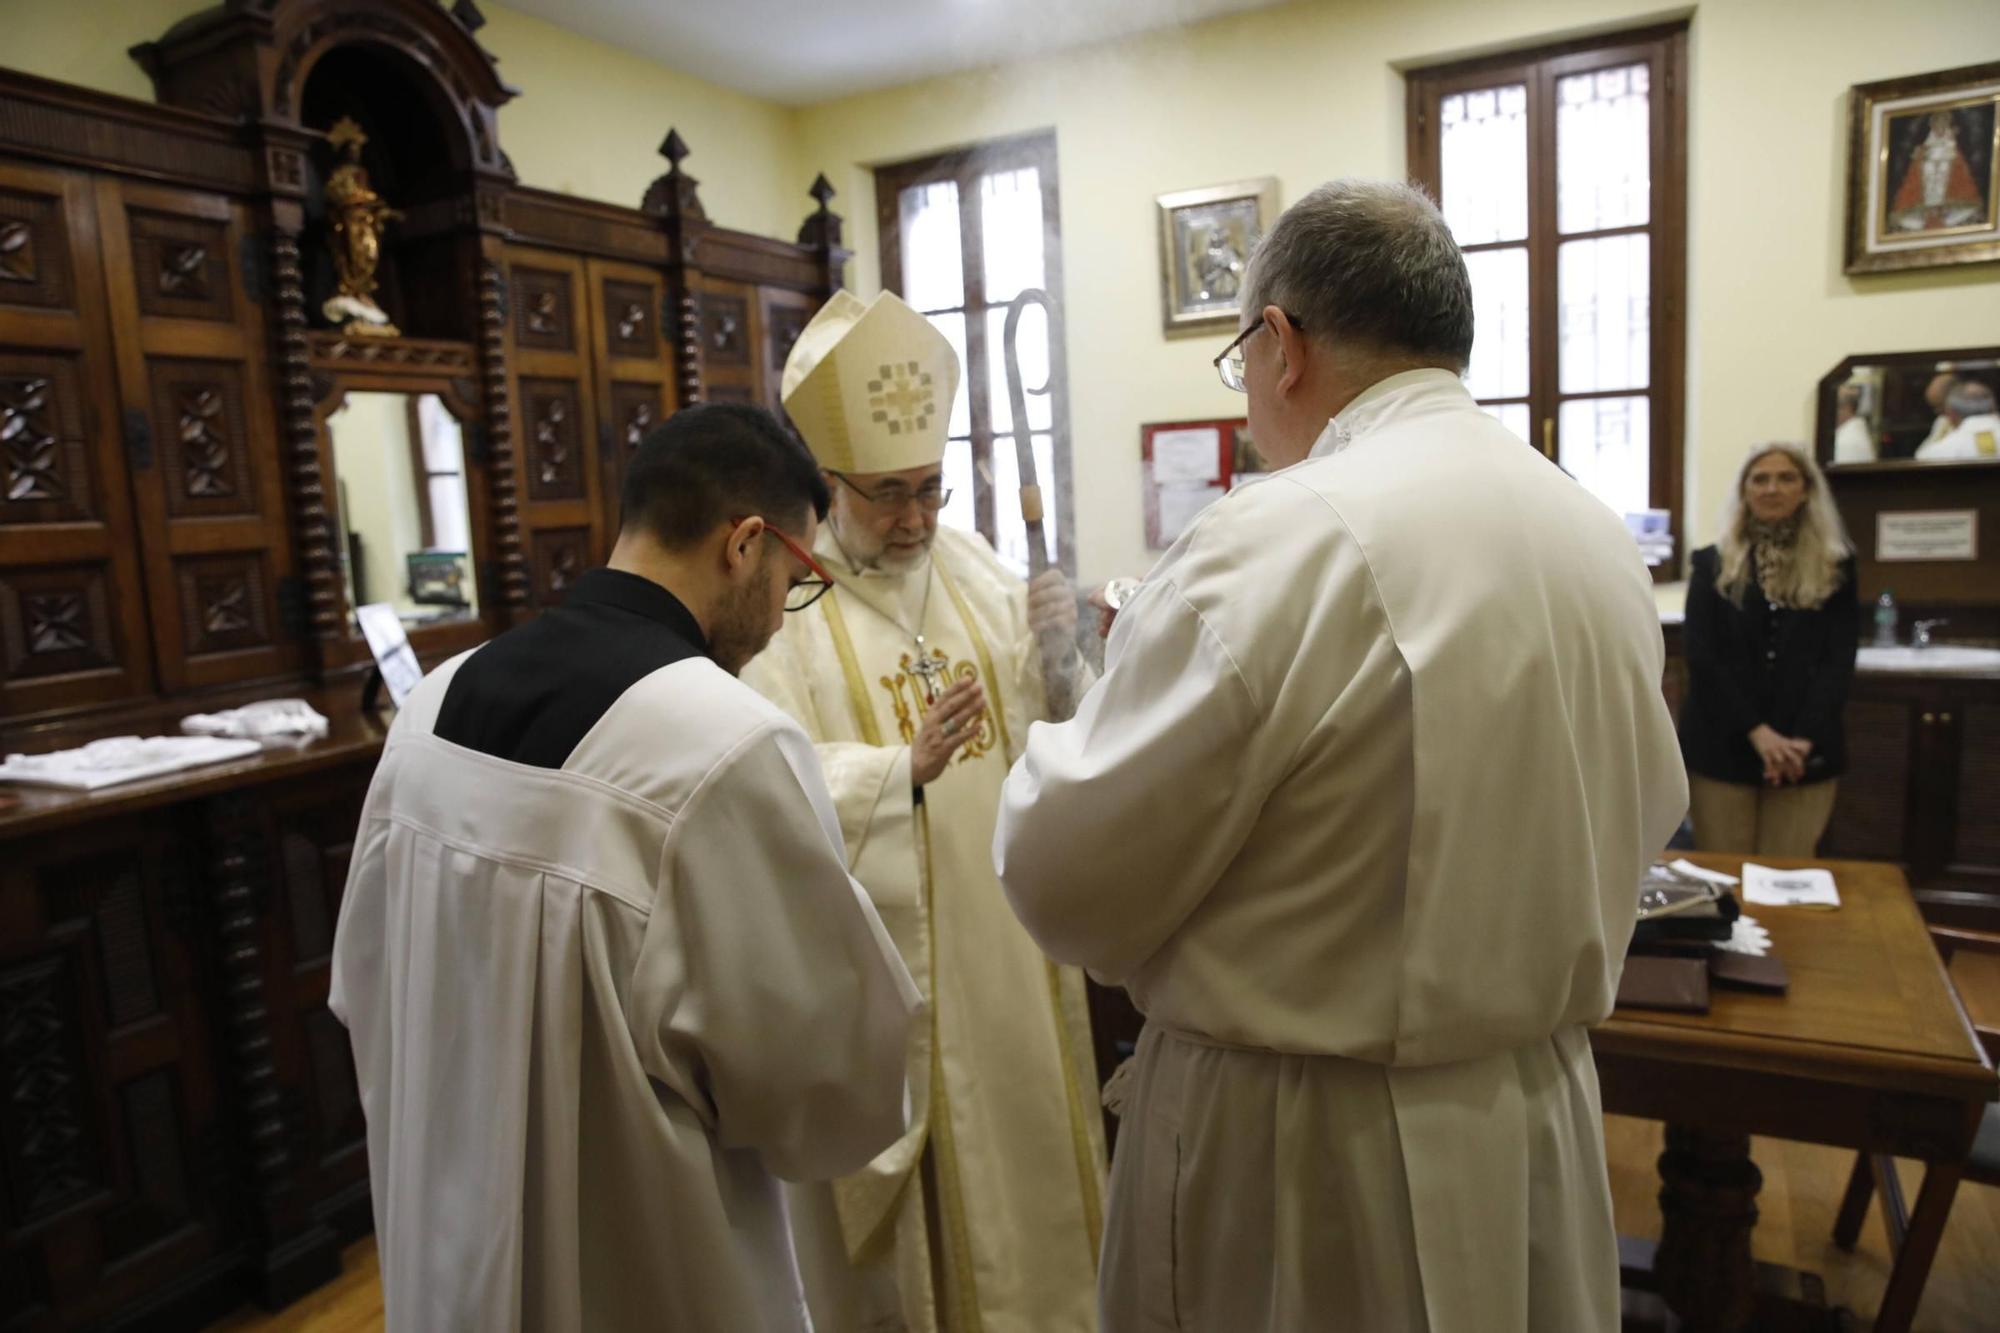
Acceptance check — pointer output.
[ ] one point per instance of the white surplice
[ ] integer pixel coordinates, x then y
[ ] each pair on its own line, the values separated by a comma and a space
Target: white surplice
597, 1009
1002, 1074
1358, 815
1853, 441
1975, 437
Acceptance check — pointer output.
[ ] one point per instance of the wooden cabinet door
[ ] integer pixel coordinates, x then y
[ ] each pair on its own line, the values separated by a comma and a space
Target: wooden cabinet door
117, 1175
308, 829
632, 374
72, 605
1872, 810
552, 385
782, 316
729, 322
1974, 861
193, 374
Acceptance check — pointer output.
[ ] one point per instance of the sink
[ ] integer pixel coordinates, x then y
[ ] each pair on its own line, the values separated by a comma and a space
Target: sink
1941, 657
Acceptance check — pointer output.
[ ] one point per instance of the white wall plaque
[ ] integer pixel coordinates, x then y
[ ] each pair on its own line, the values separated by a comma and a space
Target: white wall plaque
1929, 534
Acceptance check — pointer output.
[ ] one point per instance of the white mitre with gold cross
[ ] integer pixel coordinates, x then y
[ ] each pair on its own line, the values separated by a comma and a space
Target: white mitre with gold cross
870, 385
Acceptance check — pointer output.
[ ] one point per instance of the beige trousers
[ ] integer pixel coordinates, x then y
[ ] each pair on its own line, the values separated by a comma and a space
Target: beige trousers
1764, 821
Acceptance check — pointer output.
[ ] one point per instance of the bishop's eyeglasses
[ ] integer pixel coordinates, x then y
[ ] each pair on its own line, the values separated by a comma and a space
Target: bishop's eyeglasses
892, 496
1229, 365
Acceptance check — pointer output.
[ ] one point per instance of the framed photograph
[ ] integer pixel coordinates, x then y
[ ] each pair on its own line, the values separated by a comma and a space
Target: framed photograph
438, 578
1922, 188
1206, 237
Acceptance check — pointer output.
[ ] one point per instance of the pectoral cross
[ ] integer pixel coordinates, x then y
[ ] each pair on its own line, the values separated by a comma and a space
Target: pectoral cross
928, 669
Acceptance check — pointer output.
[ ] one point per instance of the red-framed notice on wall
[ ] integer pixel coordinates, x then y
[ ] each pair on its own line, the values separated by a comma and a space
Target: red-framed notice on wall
1187, 466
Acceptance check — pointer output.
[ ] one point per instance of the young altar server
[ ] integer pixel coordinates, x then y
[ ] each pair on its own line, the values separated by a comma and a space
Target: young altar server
606, 974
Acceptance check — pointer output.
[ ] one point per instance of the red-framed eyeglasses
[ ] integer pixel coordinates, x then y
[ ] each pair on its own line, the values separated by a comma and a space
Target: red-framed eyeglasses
804, 592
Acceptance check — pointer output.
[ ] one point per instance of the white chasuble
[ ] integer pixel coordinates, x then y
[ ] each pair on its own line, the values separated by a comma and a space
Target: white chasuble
1358, 815
999, 1231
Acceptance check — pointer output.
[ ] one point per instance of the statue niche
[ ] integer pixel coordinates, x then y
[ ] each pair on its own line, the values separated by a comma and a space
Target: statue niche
355, 217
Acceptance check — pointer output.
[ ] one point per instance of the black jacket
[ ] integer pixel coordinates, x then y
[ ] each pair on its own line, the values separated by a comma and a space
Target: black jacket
1759, 662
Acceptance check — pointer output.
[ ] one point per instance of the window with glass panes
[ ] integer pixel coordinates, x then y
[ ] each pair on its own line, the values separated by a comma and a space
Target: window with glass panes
1563, 175
962, 235
437, 449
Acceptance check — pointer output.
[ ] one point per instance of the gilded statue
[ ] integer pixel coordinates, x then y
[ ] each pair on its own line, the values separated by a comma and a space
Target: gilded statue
356, 216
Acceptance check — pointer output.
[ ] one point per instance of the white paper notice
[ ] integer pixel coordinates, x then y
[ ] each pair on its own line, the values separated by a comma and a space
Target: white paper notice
1179, 506
1181, 457
383, 629
1932, 534
1789, 888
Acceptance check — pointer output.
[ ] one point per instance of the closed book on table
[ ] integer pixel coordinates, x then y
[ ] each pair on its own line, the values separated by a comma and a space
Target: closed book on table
1677, 984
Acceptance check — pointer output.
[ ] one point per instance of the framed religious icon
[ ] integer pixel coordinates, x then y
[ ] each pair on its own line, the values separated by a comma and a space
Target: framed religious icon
1206, 237
1922, 186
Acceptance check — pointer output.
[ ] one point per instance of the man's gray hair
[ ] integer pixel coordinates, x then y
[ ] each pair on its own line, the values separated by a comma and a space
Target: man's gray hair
1968, 398
1368, 262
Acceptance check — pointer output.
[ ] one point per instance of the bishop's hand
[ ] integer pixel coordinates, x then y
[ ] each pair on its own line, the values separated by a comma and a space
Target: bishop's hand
952, 721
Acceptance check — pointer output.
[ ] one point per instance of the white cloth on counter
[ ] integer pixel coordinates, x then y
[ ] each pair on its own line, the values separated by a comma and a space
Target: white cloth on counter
269, 717
121, 759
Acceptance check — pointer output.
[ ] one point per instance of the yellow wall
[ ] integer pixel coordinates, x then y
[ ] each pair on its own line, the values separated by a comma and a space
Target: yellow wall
589, 119
1310, 91
1305, 92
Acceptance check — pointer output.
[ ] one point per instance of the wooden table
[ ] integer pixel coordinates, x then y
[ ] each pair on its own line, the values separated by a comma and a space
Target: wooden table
1869, 1050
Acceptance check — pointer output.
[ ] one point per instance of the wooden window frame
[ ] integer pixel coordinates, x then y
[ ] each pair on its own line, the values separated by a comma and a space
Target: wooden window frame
1665, 49
420, 468
964, 167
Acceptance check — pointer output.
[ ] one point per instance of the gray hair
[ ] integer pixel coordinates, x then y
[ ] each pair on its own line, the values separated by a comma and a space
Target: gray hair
1371, 262
1968, 398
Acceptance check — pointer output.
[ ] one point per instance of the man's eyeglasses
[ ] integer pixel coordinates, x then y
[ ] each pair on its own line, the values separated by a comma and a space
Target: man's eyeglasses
804, 592
1230, 364
930, 497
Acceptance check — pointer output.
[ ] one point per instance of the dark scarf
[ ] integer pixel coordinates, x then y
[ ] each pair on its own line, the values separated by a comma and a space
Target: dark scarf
1774, 549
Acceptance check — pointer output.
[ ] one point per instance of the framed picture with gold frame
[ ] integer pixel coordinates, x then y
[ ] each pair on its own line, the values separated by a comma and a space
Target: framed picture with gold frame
1923, 184
1206, 237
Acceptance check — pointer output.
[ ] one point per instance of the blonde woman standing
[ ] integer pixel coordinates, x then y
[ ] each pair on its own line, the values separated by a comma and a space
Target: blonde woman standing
1772, 621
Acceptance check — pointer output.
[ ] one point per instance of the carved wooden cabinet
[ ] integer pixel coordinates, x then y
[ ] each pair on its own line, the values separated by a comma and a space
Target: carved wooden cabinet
180, 1126
193, 354
179, 1122
73, 626
1923, 787
589, 378
114, 1129
172, 520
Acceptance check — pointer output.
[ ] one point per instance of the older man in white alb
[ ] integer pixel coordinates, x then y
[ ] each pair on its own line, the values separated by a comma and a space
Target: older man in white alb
1358, 815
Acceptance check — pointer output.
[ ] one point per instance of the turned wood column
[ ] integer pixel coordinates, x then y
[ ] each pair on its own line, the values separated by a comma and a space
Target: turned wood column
1708, 1205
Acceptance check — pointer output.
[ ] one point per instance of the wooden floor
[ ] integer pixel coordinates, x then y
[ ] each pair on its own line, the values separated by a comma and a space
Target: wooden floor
1802, 1186
1802, 1189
